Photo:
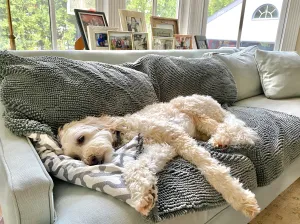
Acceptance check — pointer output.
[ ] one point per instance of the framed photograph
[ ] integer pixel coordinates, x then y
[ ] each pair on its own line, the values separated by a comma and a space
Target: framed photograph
140, 41
132, 21
88, 18
166, 23
163, 43
183, 42
201, 42
97, 36
161, 32
118, 40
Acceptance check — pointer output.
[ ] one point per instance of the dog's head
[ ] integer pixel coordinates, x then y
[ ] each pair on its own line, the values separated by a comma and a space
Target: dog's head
90, 140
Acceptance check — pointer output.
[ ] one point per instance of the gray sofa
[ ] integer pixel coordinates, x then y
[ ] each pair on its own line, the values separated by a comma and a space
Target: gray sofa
29, 195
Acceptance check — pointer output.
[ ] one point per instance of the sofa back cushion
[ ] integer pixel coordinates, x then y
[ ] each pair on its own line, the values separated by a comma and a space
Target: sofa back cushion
175, 76
243, 67
53, 91
279, 73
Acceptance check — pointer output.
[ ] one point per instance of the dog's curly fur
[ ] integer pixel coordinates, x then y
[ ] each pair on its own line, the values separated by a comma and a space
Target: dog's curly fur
169, 129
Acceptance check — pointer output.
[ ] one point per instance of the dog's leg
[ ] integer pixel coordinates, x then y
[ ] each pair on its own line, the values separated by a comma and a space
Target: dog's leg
197, 105
217, 175
140, 175
214, 121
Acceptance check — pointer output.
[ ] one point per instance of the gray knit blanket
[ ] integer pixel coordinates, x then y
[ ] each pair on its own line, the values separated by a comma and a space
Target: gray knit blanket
42, 93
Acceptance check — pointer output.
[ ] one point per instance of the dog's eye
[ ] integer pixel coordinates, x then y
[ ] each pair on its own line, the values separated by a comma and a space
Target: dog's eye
76, 157
80, 140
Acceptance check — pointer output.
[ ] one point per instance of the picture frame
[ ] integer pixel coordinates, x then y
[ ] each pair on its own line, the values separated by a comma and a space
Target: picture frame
201, 42
85, 18
167, 23
140, 41
183, 42
132, 21
162, 32
98, 37
119, 40
163, 43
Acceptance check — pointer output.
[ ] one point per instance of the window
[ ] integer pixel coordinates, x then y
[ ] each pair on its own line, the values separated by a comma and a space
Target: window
223, 23
31, 25
260, 23
167, 8
66, 25
266, 11
261, 30
33, 30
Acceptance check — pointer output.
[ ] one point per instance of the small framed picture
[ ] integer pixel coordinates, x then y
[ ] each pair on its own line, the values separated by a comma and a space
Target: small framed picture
163, 43
140, 41
97, 36
166, 23
183, 42
118, 40
88, 18
161, 32
132, 21
201, 42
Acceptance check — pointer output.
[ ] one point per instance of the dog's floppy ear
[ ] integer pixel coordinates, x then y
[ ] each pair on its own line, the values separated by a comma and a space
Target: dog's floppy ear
59, 133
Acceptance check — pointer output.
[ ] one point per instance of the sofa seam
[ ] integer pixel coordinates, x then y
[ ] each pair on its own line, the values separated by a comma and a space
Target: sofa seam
11, 182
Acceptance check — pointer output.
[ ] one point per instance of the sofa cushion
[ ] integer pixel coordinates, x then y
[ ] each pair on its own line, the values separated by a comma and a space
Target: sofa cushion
77, 205
243, 67
289, 106
180, 76
42, 93
279, 73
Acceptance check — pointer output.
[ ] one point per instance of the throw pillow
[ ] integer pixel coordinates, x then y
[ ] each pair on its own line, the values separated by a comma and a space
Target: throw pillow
279, 73
243, 67
42, 93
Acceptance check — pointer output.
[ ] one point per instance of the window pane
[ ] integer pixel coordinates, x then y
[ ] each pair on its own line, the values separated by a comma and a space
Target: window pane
223, 23
31, 24
4, 41
167, 8
261, 23
141, 6
67, 29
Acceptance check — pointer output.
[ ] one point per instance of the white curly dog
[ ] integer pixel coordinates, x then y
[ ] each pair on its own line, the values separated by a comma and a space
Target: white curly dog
169, 129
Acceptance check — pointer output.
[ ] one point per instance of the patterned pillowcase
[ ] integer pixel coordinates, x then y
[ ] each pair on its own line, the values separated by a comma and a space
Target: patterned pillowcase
106, 178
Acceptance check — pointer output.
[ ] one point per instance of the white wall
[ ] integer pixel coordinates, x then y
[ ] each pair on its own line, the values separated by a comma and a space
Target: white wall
225, 27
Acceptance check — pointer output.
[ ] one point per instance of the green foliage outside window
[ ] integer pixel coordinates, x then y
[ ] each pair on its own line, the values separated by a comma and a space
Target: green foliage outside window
216, 5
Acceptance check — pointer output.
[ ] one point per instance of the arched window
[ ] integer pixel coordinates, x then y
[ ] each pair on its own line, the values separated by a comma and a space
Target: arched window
267, 11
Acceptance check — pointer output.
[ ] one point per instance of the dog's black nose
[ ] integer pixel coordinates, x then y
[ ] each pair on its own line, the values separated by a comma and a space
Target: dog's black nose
94, 161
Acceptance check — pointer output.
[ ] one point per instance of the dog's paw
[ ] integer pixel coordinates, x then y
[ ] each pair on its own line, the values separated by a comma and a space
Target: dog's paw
221, 141
146, 201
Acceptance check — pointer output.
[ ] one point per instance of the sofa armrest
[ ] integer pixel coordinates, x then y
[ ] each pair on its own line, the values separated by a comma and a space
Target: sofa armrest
25, 186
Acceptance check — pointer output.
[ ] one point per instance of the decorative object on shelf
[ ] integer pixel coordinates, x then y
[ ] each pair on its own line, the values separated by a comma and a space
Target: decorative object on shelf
162, 32
97, 36
201, 42
10, 27
183, 42
166, 23
140, 41
163, 43
132, 21
85, 18
118, 40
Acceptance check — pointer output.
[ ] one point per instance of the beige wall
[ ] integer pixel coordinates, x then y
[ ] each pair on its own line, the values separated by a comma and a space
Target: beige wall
298, 43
